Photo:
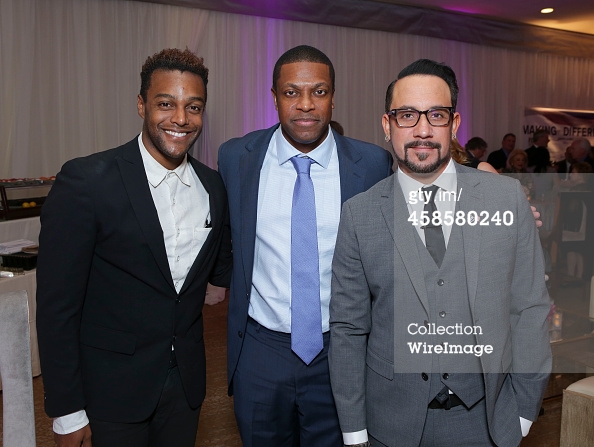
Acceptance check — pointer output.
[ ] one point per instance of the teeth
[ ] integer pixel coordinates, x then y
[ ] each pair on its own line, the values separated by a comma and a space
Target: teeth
176, 134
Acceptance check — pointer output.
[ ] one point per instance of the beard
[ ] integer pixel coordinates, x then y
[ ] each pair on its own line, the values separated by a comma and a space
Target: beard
418, 168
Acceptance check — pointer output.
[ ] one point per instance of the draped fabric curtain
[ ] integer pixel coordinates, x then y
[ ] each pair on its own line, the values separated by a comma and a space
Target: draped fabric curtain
69, 76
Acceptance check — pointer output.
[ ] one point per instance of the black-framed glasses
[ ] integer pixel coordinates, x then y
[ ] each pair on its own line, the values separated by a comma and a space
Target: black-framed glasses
437, 116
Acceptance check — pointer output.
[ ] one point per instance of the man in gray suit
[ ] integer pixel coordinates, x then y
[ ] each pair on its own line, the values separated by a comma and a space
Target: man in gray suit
439, 305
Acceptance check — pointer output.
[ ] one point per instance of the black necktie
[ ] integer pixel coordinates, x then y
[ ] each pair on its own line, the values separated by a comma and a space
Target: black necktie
434, 240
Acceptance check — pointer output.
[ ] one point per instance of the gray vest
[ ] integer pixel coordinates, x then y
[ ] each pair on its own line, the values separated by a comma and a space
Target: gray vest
449, 307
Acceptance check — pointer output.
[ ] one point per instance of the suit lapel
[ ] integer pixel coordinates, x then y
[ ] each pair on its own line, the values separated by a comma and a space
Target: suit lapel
250, 165
395, 213
139, 194
470, 200
352, 175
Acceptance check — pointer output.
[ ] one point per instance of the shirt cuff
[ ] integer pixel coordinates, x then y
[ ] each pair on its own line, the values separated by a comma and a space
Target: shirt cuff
69, 423
353, 438
525, 425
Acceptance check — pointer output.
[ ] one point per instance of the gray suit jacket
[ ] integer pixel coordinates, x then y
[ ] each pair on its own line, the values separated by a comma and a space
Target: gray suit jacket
378, 289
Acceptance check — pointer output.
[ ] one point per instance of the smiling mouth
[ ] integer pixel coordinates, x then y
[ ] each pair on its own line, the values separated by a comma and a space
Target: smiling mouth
176, 134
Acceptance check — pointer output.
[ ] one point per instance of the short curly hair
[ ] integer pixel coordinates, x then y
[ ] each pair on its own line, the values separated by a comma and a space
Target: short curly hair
172, 59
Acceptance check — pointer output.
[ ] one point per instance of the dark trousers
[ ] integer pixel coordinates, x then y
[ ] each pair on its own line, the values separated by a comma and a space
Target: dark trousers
279, 400
173, 423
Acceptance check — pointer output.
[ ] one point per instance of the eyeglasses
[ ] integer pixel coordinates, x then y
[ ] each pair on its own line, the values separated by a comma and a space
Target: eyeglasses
437, 116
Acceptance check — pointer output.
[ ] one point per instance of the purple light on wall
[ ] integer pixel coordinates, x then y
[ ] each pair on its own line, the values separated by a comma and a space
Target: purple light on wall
463, 10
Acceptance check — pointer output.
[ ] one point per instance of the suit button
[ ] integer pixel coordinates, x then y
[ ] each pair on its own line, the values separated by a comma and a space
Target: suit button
440, 282
442, 314
424, 376
446, 376
177, 300
426, 324
240, 334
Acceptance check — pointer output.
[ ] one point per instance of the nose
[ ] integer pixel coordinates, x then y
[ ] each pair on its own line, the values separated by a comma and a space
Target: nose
423, 129
305, 103
180, 116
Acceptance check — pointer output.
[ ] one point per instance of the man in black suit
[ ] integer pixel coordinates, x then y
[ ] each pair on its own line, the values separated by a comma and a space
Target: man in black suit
130, 238
539, 157
498, 158
475, 150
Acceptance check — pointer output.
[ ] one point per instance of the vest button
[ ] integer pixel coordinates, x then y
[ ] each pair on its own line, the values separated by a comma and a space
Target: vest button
442, 314
424, 376
240, 334
446, 376
440, 282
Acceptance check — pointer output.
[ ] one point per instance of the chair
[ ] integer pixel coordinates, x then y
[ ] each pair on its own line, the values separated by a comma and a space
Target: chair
577, 425
15, 371
574, 229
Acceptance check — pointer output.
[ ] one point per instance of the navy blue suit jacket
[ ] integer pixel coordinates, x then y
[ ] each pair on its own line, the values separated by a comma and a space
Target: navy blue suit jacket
361, 166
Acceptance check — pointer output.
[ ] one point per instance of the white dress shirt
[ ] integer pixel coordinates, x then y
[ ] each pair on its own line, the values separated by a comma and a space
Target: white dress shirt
183, 208
270, 300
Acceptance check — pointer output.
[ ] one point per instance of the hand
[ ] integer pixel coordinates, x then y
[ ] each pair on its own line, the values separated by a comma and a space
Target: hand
536, 215
79, 438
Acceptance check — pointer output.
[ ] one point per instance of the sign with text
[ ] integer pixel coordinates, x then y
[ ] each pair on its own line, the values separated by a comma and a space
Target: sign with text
564, 126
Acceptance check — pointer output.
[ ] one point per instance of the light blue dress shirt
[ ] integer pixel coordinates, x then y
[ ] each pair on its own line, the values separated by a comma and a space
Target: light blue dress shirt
270, 300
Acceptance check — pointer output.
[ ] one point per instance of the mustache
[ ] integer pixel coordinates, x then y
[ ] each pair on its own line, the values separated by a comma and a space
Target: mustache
420, 143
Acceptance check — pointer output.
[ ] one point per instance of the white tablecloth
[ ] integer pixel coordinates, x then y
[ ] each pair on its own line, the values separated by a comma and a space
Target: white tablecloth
27, 282
11, 230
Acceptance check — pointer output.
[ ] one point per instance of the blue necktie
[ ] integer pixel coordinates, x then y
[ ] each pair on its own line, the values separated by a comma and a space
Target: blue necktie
306, 314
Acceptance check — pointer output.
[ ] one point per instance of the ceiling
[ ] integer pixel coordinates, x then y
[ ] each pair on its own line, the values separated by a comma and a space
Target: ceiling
569, 15
513, 24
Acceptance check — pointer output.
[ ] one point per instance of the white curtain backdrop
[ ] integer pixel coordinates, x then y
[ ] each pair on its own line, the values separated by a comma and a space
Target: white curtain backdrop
69, 76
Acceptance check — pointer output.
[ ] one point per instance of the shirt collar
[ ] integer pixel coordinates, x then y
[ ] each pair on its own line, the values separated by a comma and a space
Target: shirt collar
321, 154
156, 173
446, 182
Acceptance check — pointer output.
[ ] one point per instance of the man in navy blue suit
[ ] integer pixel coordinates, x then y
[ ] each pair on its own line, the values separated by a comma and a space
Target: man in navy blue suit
281, 399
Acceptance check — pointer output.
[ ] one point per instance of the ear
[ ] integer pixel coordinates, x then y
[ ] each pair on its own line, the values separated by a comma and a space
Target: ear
332, 99
386, 124
456, 123
274, 97
140, 106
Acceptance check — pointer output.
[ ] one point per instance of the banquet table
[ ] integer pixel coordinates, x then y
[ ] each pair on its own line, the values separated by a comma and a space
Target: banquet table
11, 230
26, 282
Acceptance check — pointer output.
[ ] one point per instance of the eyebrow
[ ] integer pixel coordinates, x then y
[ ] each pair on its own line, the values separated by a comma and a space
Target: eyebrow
318, 85
168, 96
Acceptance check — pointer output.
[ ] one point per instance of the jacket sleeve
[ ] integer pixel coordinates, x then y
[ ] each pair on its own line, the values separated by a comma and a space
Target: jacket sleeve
66, 247
530, 305
350, 325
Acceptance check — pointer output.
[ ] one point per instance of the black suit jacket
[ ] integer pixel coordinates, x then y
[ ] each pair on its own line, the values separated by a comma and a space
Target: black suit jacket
497, 159
107, 310
539, 157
